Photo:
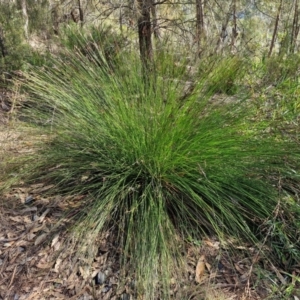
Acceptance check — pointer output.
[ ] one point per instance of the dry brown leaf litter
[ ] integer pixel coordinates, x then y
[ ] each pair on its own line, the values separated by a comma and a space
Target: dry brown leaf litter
31, 269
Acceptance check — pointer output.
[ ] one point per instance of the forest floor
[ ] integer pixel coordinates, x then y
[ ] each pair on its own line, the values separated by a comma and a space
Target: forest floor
36, 264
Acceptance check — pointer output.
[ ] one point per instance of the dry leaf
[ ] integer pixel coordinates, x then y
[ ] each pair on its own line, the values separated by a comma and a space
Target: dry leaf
238, 268
42, 189
107, 296
28, 210
16, 219
57, 246
228, 279
40, 239
57, 265
8, 244
84, 272
55, 240
245, 276
279, 276
43, 216
200, 269
294, 277
45, 265
30, 236
57, 295
56, 280
27, 220
208, 266
213, 244
36, 229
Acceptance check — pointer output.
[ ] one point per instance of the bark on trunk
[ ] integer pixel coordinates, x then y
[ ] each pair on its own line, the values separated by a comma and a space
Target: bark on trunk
295, 28
81, 16
2, 44
55, 19
156, 32
234, 28
275, 29
25, 16
224, 33
144, 31
199, 23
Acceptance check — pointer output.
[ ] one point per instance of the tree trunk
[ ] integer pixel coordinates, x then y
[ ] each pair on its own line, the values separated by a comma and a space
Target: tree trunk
25, 16
121, 20
295, 28
234, 28
55, 19
2, 44
156, 32
275, 29
77, 13
144, 31
224, 32
199, 23
81, 16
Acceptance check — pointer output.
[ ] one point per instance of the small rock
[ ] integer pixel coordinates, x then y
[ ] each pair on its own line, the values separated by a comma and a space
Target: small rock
35, 217
220, 266
29, 199
125, 296
100, 278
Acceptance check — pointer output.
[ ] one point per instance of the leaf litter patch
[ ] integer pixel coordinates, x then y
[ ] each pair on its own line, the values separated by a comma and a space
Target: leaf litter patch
37, 263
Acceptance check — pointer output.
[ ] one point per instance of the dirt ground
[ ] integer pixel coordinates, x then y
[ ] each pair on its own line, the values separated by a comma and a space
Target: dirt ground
37, 263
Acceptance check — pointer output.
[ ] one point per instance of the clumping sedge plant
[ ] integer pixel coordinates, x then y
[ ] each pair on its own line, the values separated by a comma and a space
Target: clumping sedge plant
224, 74
153, 169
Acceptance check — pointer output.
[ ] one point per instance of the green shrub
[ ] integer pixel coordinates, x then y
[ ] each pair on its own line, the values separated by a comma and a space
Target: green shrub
224, 74
280, 68
153, 170
89, 40
17, 52
12, 36
39, 17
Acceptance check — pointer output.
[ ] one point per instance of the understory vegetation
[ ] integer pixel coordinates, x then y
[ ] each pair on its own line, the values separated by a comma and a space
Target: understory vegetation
166, 155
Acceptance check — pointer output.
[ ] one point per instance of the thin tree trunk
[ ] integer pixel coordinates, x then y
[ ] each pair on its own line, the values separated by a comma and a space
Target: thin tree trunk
25, 16
121, 19
275, 29
295, 28
81, 16
199, 23
234, 28
224, 33
55, 20
156, 32
144, 31
2, 44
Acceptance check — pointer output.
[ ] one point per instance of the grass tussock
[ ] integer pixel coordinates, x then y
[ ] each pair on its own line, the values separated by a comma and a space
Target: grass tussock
154, 169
